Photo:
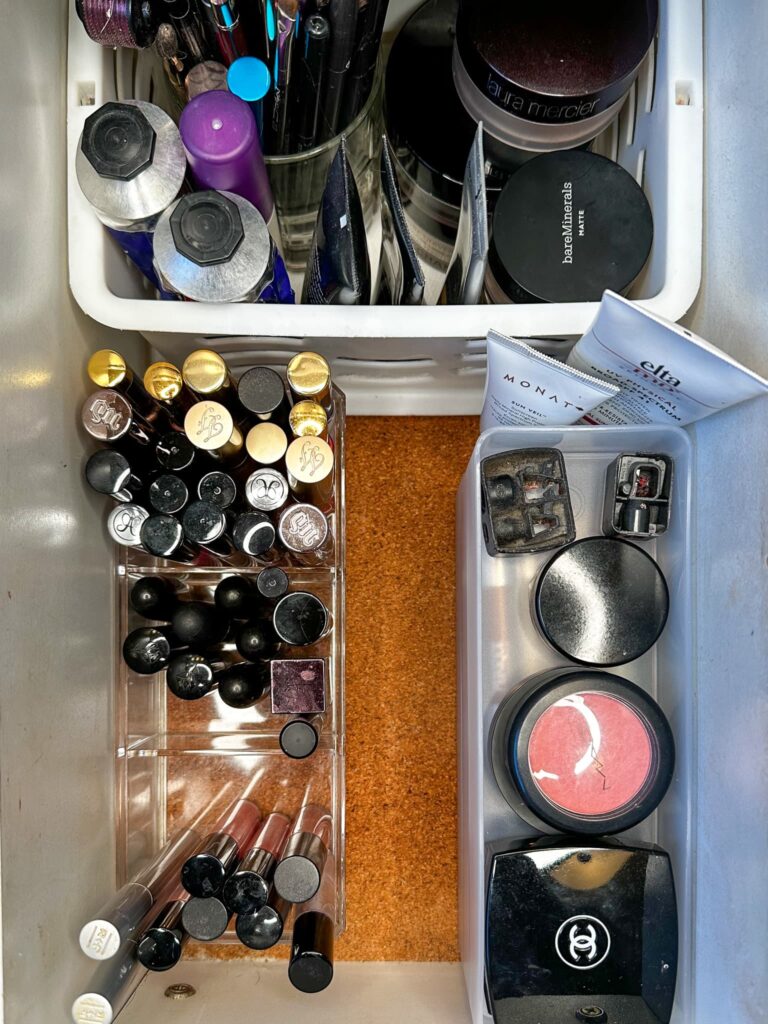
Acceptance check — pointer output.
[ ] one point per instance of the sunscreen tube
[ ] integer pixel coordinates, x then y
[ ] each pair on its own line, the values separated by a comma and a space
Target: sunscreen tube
527, 388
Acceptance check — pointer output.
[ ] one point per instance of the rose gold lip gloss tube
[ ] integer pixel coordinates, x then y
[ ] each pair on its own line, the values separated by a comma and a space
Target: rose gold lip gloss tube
205, 872
298, 875
248, 888
120, 917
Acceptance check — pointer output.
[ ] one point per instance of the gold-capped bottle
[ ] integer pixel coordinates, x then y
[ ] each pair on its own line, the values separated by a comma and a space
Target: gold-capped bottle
309, 419
309, 376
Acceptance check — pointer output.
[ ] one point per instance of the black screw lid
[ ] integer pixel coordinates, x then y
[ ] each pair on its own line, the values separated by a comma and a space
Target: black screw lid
205, 919
218, 488
272, 583
311, 966
235, 596
206, 228
159, 949
256, 640
168, 493
243, 685
245, 891
260, 929
261, 390
190, 677
203, 522
175, 451
253, 533
147, 650
198, 624
107, 471
298, 739
118, 141
203, 875
300, 619
161, 535
154, 597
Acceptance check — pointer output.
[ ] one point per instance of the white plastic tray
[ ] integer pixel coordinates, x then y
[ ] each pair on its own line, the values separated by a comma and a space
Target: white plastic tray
499, 647
401, 360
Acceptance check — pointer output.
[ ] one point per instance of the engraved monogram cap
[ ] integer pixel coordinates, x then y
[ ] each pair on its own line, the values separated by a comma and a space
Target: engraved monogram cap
106, 415
209, 425
266, 490
303, 528
124, 524
309, 459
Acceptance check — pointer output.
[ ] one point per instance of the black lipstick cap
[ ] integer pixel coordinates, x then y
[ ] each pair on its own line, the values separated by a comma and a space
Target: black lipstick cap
300, 619
161, 946
205, 919
154, 597
235, 596
242, 686
263, 929
311, 966
190, 677
168, 493
199, 625
204, 873
272, 583
218, 488
253, 533
256, 640
147, 650
298, 739
262, 392
175, 452
163, 537
109, 472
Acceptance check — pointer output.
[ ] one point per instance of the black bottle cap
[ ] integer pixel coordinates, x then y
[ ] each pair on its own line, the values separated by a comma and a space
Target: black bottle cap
241, 686
203, 522
605, 580
262, 929
245, 892
206, 228
161, 535
154, 597
311, 966
198, 624
272, 583
175, 452
205, 919
218, 488
168, 493
567, 226
160, 949
298, 739
253, 533
118, 141
300, 619
190, 677
256, 640
204, 873
261, 391
107, 471
147, 650
235, 597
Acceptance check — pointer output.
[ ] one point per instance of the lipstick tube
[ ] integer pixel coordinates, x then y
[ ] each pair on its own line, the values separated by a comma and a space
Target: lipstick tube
193, 676
311, 964
309, 376
219, 488
263, 928
205, 872
168, 494
254, 535
154, 598
161, 945
247, 889
304, 531
261, 391
256, 641
310, 471
109, 472
108, 369
163, 536
108, 417
111, 987
199, 625
205, 919
266, 490
210, 427
149, 649
206, 526
120, 917
243, 685
124, 524
165, 384
308, 419
207, 375
298, 874
267, 444
175, 453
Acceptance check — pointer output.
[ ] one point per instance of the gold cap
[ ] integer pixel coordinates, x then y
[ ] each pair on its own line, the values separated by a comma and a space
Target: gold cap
308, 419
309, 464
266, 443
309, 376
107, 369
209, 425
163, 381
205, 372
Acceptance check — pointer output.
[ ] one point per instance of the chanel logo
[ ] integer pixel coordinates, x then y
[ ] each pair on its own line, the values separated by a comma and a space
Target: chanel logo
210, 425
311, 458
103, 412
582, 942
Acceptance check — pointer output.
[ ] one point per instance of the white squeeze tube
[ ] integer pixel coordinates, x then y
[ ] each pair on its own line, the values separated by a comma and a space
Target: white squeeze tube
524, 387
665, 374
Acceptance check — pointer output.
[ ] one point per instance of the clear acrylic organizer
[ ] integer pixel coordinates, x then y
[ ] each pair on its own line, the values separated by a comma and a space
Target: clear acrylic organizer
183, 761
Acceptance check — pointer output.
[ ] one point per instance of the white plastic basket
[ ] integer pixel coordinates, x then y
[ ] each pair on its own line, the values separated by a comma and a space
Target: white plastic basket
405, 360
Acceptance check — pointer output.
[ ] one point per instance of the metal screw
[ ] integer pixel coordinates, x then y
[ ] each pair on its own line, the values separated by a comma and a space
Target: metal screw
181, 991
592, 1013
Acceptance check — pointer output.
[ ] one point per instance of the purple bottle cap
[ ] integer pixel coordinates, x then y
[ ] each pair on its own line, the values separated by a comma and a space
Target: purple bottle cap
219, 133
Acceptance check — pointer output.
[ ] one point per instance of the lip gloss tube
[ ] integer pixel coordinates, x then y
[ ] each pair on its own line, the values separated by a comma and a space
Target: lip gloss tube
304, 531
266, 443
310, 471
163, 536
263, 928
206, 525
247, 889
266, 490
254, 535
120, 917
161, 945
124, 524
107, 416
165, 384
168, 494
311, 964
108, 369
175, 453
210, 427
207, 375
309, 376
111, 987
262, 392
108, 472
205, 919
149, 649
205, 872
219, 488
298, 875
154, 598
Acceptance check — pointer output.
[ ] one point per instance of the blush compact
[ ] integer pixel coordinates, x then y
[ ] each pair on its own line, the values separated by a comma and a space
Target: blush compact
585, 752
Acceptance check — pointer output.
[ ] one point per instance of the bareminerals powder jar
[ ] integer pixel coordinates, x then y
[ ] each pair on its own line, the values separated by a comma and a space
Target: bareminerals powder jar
566, 227
547, 76
583, 751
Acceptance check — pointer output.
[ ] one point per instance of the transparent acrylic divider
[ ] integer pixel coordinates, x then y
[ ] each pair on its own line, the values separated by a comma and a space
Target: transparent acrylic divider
177, 760
499, 647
